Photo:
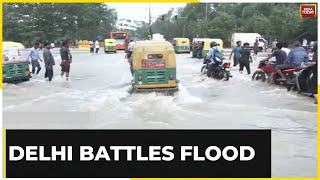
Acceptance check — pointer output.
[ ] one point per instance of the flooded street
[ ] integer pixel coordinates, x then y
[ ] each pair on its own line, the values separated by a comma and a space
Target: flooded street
100, 84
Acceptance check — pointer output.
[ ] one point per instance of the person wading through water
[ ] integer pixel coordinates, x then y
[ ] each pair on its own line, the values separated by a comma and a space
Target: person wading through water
245, 58
66, 58
48, 61
34, 55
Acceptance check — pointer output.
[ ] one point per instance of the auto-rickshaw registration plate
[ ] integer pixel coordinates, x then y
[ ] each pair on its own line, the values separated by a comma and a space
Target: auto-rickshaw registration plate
152, 63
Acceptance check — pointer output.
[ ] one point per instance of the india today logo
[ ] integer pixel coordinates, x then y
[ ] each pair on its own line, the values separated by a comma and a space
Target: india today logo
308, 10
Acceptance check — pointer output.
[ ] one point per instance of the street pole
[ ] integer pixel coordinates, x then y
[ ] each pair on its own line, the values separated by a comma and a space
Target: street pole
184, 28
207, 11
150, 21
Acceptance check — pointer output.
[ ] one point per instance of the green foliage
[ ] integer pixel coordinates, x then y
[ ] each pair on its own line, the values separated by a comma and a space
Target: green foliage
51, 21
281, 21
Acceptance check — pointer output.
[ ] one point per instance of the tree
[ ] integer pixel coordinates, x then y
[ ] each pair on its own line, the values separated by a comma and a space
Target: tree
54, 21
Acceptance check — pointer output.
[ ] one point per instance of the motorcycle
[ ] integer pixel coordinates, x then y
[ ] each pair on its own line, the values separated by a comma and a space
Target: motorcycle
265, 68
219, 72
305, 83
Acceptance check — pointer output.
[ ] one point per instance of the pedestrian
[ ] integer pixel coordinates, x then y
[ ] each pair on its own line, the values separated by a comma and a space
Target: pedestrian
305, 43
66, 59
97, 46
274, 45
265, 45
235, 53
48, 61
245, 58
256, 48
91, 47
34, 55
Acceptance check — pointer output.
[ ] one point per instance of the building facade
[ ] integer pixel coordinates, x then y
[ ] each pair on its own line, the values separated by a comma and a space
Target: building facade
126, 24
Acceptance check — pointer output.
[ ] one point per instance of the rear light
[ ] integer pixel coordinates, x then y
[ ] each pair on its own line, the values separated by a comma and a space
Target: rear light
171, 76
227, 65
140, 77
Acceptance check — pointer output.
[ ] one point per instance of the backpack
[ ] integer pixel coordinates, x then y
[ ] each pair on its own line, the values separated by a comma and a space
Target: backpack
217, 53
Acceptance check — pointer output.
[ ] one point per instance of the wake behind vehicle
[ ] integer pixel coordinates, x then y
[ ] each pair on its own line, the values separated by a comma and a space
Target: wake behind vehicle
181, 45
110, 46
154, 67
15, 66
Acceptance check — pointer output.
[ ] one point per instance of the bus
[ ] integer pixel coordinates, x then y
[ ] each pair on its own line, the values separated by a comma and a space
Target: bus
121, 38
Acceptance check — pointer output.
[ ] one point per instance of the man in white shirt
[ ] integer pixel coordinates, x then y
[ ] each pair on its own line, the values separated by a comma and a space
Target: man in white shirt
304, 43
97, 46
285, 48
130, 46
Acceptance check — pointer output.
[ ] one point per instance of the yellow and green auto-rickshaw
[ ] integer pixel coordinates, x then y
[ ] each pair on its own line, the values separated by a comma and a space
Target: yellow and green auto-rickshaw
154, 67
110, 45
198, 47
181, 45
202, 47
15, 65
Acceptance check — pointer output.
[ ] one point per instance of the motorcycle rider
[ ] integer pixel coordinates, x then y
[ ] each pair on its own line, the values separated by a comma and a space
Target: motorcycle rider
214, 57
285, 48
295, 58
130, 48
280, 56
310, 68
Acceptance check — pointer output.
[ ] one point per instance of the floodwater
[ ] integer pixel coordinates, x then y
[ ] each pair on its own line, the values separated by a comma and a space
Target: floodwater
100, 84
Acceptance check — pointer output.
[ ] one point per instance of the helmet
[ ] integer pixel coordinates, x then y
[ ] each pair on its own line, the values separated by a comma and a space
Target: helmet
213, 43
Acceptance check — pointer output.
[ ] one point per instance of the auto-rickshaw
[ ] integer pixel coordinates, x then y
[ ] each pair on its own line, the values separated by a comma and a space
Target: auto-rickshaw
110, 45
15, 65
154, 67
12, 44
181, 45
202, 47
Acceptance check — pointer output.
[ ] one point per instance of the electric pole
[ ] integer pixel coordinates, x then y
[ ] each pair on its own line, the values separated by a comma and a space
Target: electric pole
150, 31
207, 11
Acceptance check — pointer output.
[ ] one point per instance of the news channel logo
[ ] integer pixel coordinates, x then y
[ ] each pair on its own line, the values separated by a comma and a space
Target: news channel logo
308, 10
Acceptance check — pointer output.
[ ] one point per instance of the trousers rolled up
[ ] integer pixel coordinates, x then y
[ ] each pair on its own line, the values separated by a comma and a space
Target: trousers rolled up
35, 64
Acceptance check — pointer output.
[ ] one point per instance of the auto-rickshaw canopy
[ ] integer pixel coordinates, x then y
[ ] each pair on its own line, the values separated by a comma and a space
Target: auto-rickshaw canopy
182, 41
110, 42
208, 41
153, 49
12, 44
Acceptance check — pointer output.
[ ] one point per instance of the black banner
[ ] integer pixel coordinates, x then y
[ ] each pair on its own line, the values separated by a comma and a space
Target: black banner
138, 153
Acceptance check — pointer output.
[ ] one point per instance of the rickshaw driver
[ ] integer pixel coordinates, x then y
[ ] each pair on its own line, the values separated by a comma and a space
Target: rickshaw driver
130, 49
